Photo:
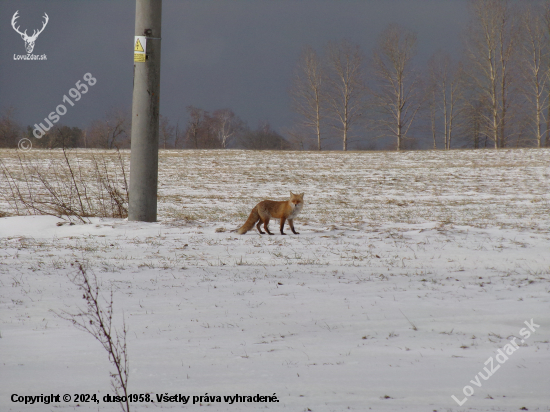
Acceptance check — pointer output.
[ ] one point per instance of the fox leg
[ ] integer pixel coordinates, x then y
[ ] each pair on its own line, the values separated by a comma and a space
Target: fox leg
266, 223
259, 228
291, 224
264, 218
283, 225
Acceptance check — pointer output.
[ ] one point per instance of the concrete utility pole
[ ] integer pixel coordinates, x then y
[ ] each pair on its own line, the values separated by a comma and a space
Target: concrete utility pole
145, 112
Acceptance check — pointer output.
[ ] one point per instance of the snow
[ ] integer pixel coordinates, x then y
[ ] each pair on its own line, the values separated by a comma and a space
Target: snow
392, 298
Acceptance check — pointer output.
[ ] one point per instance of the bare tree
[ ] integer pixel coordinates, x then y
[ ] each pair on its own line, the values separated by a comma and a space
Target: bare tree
434, 112
301, 138
84, 139
397, 94
308, 93
225, 125
491, 43
195, 125
10, 130
345, 86
534, 58
473, 125
110, 132
60, 136
178, 137
263, 138
447, 92
211, 131
547, 66
166, 132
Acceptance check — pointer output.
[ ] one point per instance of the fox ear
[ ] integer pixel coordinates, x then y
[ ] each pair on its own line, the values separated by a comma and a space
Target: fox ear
291, 194
302, 195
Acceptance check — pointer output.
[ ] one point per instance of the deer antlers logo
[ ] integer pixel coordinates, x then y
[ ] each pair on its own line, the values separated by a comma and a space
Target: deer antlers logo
29, 40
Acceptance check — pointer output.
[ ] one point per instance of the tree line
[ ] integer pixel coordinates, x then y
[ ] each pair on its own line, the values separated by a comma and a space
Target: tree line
221, 129
495, 93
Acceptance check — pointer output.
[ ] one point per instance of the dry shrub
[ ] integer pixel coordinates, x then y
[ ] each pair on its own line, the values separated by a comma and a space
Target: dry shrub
68, 188
97, 320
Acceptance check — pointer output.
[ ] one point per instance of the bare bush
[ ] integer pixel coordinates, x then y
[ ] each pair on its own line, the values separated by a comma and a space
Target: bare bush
63, 187
98, 322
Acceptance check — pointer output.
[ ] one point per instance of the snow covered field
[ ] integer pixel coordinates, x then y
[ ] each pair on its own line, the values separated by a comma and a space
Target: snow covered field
411, 271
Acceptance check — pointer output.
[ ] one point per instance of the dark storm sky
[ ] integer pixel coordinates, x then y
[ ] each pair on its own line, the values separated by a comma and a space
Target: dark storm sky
237, 54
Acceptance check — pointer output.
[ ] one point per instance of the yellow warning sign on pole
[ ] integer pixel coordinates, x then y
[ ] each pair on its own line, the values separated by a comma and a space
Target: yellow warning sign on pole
140, 48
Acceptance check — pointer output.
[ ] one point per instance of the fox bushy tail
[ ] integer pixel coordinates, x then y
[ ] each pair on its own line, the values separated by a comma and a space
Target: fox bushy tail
250, 222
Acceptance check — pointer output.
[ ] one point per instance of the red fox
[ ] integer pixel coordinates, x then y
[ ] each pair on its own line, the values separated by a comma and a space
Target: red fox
267, 209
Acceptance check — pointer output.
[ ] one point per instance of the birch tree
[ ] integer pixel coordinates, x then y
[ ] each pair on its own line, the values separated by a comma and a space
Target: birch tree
432, 107
345, 87
397, 94
534, 60
308, 93
447, 92
226, 125
547, 26
492, 39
